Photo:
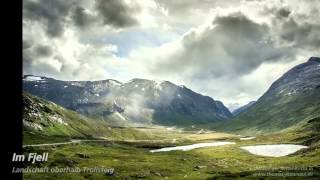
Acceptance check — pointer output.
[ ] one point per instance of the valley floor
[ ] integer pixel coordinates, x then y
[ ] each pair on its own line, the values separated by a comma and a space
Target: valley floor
132, 159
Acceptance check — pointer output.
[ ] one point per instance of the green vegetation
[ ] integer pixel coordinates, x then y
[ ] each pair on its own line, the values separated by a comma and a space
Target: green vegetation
132, 160
127, 149
47, 122
274, 115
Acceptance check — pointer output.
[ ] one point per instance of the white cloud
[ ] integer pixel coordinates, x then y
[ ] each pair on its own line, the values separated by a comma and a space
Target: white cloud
224, 49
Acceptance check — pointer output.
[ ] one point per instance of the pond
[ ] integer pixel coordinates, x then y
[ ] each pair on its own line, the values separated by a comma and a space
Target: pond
192, 146
273, 150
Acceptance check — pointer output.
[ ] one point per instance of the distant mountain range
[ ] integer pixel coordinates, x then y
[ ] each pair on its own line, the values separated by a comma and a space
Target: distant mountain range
242, 108
291, 100
138, 101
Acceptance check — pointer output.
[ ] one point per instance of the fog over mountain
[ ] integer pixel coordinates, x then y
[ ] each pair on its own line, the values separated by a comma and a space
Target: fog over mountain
208, 46
139, 101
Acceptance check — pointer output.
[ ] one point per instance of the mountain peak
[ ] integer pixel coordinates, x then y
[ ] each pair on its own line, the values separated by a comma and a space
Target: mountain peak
139, 100
316, 59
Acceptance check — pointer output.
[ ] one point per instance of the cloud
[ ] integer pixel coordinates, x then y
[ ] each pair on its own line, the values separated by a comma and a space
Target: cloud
303, 35
57, 15
116, 12
82, 18
283, 12
43, 50
53, 34
224, 49
66, 57
51, 13
232, 45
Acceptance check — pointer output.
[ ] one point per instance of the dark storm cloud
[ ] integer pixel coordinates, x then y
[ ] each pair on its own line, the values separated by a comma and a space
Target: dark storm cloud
180, 7
235, 46
46, 21
51, 13
303, 35
26, 44
278, 13
283, 12
237, 25
81, 18
116, 13
43, 51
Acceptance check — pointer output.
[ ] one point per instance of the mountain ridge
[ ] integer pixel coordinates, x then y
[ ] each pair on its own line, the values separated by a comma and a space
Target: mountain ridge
291, 99
242, 108
139, 101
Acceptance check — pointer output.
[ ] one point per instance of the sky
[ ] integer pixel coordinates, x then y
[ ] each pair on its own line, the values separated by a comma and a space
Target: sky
229, 50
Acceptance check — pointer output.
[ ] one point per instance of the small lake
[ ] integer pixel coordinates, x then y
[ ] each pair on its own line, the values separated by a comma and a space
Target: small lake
247, 138
273, 150
192, 146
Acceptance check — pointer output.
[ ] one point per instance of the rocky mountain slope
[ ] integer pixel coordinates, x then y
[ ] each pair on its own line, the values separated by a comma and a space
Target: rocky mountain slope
242, 108
294, 98
138, 101
43, 120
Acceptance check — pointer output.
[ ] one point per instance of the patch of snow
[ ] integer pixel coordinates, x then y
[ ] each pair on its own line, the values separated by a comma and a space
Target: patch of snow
179, 95
115, 103
115, 83
120, 116
85, 100
77, 84
136, 85
156, 94
33, 78
190, 147
170, 128
65, 86
142, 89
201, 131
97, 95
35, 114
247, 138
32, 125
291, 92
273, 150
158, 85
58, 120
36, 85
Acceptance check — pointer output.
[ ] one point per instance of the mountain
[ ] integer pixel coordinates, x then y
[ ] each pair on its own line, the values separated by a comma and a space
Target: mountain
46, 121
138, 101
308, 132
292, 99
242, 108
